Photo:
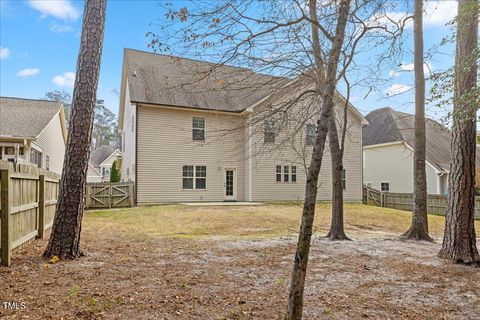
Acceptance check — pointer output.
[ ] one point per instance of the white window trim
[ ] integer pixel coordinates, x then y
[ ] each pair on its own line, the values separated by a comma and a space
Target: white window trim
282, 173
194, 186
381, 186
204, 130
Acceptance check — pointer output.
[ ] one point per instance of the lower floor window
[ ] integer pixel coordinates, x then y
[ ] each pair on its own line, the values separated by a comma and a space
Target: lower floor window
289, 173
194, 177
385, 186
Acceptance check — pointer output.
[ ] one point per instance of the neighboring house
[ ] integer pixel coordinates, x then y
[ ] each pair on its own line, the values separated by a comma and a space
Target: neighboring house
191, 139
33, 131
388, 144
93, 175
100, 163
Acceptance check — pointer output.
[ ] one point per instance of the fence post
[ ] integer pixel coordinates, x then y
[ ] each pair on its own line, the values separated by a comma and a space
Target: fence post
5, 216
41, 205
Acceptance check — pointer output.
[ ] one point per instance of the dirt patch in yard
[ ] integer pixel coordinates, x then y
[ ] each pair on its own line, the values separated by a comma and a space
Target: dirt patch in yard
125, 276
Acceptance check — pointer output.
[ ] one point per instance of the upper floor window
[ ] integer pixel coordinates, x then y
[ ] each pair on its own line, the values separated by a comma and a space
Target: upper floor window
198, 128
311, 134
268, 131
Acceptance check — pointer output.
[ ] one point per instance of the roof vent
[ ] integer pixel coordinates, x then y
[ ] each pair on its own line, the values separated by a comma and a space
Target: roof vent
135, 73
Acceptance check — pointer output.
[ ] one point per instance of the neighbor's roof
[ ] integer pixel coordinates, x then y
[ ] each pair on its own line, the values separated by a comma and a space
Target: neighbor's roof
99, 155
387, 125
26, 118
173, 81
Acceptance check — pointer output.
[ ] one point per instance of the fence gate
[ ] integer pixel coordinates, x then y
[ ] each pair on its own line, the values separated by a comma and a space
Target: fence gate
109, 195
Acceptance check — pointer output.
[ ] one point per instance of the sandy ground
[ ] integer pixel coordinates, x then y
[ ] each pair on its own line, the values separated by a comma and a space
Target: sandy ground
376, 276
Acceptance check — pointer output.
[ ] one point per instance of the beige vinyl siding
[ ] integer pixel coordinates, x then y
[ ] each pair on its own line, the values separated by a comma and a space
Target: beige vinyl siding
165, 145
53, 145
394, 164
128, 139
265, 187
92, 175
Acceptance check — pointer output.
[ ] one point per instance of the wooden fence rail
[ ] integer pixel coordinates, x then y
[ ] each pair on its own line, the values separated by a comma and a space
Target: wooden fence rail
436, 204
28, 196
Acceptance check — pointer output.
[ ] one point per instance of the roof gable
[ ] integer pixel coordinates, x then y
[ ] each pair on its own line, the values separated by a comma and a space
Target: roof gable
173, 81
387, 125
26, 118
99, 155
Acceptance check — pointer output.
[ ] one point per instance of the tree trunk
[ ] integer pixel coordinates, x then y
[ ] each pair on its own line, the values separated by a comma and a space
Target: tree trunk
65, 239
459, 243
419, 227
326, 92
336, 231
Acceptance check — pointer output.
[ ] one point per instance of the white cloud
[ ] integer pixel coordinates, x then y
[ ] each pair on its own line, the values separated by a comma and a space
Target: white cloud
60, 28
65, 80
394, 74
439, 13
397, 88
435, 14
60, 9
409, 67
4, 53
29, 72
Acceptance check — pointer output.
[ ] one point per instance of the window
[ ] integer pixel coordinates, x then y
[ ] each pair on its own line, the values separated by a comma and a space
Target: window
47, 162
385, 186
289, 173
36, 157
279, 174
311, 134
197, 174
9, 151
268, 131
200, 177
187, 177
198, 128
344, 179
285, 174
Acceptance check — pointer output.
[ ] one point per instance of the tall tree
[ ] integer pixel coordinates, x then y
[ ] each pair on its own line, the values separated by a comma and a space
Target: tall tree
65, 238
419, 227
459, 243
104, 127
326, 84
63, 97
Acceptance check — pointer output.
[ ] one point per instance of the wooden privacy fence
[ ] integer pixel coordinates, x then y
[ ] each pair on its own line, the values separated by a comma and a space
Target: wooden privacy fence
109, 195
28, 196
436, 204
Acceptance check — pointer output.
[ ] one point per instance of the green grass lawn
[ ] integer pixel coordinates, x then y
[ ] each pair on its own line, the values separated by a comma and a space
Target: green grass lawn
250, 222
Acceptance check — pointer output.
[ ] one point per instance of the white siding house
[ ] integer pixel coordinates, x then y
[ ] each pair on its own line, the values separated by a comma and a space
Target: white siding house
388, 143
33, 131
210, 141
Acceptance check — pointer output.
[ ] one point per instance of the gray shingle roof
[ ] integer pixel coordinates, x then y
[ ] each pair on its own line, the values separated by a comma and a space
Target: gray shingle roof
387, 125
25, 117
166, 80
99, 155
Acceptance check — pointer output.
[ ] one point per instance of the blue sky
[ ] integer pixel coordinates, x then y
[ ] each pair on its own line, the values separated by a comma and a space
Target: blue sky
39, 43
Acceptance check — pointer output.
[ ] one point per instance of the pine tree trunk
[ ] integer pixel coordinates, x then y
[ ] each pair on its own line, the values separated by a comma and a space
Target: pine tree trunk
65, 239
459, 243
419, 227
336, 231
326, 92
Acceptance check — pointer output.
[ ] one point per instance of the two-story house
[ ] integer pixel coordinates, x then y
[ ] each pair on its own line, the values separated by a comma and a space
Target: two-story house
193, 131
